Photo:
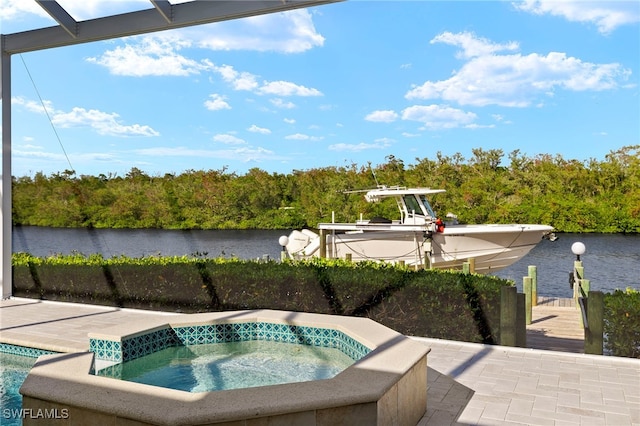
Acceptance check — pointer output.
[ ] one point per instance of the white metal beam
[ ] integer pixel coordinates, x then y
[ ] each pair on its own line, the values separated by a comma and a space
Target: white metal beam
145, 21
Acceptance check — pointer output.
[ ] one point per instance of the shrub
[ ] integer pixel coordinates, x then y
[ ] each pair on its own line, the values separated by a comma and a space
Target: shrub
447, 305
622, 323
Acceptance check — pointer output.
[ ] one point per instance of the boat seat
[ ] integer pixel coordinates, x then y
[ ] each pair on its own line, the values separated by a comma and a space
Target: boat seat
378, 219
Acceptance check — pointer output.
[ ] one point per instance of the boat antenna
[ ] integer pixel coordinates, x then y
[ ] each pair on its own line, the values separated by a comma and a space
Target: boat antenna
374, 175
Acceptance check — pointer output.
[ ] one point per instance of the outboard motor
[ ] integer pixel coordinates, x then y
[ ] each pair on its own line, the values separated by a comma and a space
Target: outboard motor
302, 243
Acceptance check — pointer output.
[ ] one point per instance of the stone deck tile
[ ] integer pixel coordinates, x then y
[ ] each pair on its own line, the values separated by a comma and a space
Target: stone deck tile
468, 384
552, 388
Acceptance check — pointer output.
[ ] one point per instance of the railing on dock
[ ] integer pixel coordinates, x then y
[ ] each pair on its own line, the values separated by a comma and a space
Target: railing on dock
517, 314
591, 305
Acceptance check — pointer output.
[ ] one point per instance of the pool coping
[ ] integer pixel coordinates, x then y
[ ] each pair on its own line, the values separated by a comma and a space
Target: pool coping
395, 359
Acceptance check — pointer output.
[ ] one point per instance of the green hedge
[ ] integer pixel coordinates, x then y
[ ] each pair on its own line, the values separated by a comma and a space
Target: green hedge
622, 323
445, 305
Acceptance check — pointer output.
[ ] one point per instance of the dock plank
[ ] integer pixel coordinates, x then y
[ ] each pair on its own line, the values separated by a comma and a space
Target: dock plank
556, 325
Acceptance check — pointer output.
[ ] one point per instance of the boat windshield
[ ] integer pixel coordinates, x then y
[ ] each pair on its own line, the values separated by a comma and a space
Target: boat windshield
427, 206
413, 205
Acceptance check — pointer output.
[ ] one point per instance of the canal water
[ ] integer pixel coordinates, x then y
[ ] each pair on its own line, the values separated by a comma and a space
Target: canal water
611, 261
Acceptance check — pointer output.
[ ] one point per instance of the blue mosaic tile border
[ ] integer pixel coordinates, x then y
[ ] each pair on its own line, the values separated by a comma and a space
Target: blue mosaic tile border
148, 343
6, 348
108, 350
216, 333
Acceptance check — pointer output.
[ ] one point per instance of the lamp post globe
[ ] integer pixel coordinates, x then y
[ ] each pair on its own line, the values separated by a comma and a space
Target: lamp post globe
283, 241
578, 249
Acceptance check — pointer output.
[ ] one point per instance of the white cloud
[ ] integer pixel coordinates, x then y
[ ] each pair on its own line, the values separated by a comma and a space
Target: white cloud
36, 153
286, 88
606, 15
358, 147
255, 154
514, 80
386, 141
244, 154
238, 80
158, 54
386, 116
102, 122
287, 32
216, 102
435, 117
500, 118
28, 139
228, 139
249, 82
150, 55
34, 106
289, 120
261, 130
411, 135
297, 137
14, 9
479, 126
303, 137
279, 103
472, 46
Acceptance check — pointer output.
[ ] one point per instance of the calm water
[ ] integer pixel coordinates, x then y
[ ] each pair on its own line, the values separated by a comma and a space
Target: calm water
13, 370
232, 365
611, 261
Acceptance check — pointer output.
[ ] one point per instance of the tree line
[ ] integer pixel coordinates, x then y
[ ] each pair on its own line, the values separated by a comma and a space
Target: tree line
571, 195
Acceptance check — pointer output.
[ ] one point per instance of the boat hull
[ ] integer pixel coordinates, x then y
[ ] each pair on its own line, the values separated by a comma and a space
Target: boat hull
493, 247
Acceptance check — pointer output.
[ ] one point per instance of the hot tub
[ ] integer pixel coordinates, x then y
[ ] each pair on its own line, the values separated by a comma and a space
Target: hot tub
387, 383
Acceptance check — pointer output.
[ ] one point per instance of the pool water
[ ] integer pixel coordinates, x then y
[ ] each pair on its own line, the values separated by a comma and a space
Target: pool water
13, 371
232, 365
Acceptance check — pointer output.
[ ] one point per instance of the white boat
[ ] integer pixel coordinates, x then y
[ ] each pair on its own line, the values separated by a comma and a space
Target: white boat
419, 238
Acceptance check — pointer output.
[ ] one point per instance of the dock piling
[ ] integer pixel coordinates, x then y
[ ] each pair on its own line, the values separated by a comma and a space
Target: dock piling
594, 330
533, 273
527, 289
508, 315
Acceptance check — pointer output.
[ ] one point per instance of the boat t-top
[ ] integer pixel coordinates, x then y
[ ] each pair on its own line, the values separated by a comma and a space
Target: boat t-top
418, 238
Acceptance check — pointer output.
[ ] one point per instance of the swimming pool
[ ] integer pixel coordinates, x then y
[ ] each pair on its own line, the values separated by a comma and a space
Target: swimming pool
13, 371
15, 364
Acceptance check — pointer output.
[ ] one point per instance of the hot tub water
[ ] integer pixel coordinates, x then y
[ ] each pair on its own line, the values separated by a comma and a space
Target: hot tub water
231, 365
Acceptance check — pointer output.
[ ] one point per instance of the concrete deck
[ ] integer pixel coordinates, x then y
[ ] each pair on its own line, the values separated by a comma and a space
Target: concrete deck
468, 384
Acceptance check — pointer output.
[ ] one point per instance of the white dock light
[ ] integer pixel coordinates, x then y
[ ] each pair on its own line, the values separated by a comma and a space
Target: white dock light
283, 241
578, 249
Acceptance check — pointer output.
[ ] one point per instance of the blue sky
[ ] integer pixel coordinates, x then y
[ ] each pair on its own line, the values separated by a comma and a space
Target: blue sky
350, 82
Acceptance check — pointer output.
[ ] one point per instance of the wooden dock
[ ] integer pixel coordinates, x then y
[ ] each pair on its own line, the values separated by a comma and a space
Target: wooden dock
556, 325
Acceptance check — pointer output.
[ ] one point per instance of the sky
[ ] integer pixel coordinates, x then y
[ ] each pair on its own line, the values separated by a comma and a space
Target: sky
354, 82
